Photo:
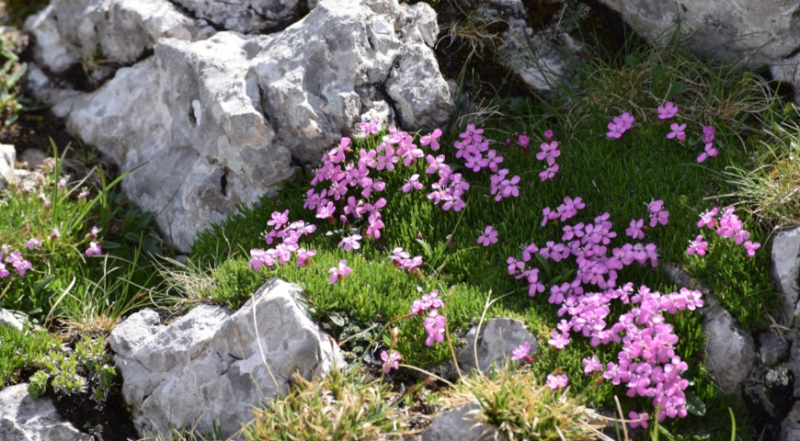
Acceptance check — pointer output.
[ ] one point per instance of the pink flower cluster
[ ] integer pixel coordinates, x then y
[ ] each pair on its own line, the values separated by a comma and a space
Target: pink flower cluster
434, 323
564, 211
708, 139
647, 364
402, 259
619, 125
549, 153
16, 260
474, 149
289, 235
728, 226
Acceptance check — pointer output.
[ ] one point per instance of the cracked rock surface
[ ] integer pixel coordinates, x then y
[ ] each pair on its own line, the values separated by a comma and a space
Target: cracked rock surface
25, 418
214, 364
221, 121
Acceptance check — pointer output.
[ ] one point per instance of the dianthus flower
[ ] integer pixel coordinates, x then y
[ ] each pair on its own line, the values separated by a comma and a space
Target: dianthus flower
488, 237
549, 173
591, 365
707, 219
304, 256
522, 352
33, 243
667, 111
677, 131
94, 249
434, 326
557, 381
638, 419
698, 245
390, 360
635, 230
751, 248
431, 139
340, 272
657, 214
350, 242
549, 152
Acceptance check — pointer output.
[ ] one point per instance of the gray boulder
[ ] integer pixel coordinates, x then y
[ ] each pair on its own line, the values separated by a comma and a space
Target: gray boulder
102, 34
459, 424
496, 343
214, 364
785, 269
730, 351
219, 122
24, 418
790, 427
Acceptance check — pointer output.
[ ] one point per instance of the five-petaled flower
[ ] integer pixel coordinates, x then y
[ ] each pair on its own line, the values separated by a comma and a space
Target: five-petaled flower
667, 111
677, 131
340, 272
521, 353
698, 245
390, 360
488, 237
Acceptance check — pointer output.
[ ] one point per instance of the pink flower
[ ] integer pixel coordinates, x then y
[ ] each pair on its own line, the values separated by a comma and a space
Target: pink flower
591, 365
698, 245
657, 215
260, 257
549, 152
710, 152
371, 127
635, 230
96, 230
33, 243
278, 219
350, 242
707, 219
488, 237
55, 234
549, 173
557, 381
638, 419
339, 273
677, 131
434, 326
412, 183
558, 340
751, 248
708, 134
667, 111
304, 256
94, 249
431, 139
3, 271
390, 360
521, 352
615, 130
548, 134
20, 264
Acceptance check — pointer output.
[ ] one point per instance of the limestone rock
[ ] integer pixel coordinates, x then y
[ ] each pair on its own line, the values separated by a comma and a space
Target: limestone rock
773, 348
496, 343
214, 364
459, 425
730, 351
106, 33
8, 159
765, 30
785, 269
219, 122
24, 418
8, 319
247, 16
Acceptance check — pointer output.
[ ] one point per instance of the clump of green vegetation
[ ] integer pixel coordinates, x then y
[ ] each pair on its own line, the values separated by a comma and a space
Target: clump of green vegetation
21, 350
521, 407
346, 407
79, 251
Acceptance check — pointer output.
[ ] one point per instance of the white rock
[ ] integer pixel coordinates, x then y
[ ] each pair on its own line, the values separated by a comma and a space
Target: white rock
8, 319
24, 418
496, 344
785, 269
8, 159
218, 122
211, 364
459, 424
106, 32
